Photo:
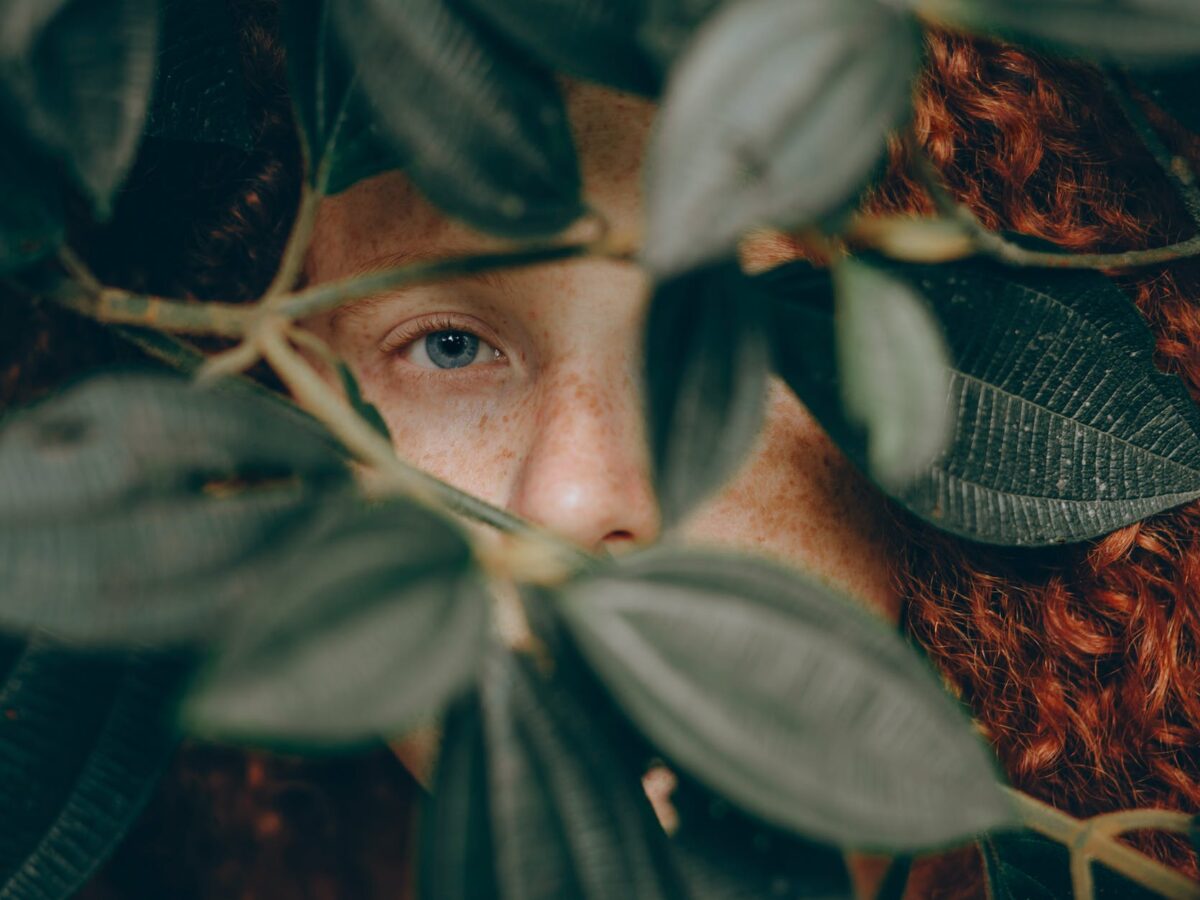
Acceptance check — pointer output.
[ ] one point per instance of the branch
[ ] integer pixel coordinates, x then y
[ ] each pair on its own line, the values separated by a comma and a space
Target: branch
990, 244
1174, 167
327, 405
1086, 842
294, 252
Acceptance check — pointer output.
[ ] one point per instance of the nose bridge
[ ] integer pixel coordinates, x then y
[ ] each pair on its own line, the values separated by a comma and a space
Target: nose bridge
585, 475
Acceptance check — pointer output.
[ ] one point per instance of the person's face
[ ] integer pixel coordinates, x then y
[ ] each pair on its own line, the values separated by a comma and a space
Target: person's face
522, 387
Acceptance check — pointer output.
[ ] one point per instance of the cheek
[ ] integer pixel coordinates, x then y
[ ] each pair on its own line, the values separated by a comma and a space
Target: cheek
798, 500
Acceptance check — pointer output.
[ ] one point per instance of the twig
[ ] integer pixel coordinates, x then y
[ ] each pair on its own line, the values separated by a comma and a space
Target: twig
999, 248
1173, 166
1084, 840
1113, 824
296, 248
179, 355
324, 403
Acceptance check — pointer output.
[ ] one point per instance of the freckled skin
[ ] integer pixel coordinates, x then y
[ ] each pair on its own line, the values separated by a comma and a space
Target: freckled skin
553, 430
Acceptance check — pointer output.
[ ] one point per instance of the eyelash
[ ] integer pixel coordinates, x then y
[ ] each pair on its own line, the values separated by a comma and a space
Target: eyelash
401, 338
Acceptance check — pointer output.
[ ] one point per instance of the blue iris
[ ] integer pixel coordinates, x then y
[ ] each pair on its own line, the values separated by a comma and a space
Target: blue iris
451, 349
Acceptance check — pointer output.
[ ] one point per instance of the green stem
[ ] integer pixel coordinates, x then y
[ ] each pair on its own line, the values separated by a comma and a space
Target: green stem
999, 248
323, 402
334, 294
119, 307
179, 355
1083, 838
292, 262
1174, 167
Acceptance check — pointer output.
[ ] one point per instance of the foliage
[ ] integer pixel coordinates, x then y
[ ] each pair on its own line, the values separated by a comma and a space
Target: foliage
205, 558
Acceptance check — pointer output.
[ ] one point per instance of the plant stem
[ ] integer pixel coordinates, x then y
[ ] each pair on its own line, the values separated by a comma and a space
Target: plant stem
1174, 167
1083, 838
145, 311
1116, 823
333, 294
292, 262
179, 355
324, 403
990, 244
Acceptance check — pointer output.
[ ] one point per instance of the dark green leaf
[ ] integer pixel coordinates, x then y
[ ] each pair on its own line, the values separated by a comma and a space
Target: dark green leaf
593, 39
707, 362
31, 216
894, 371
1134, 30
485, 133
1174, 92
199, 91
140, 508
75, 78
795, 704
367, 410
83, 738
776, 116
377, 625
1026, 866
723, 854
568, 819
1063, 429
338, 124
456, 861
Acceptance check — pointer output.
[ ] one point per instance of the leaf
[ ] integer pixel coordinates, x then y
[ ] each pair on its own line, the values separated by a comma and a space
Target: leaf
1173, 91
485, 133
338, 125
776, 116
725, 855
592, 39
1063, 429
669, 26
31, 216
568, 819
138, 508
894, 371
83, 739
380, 623
199, 91
75, 78
794, 704
1026, 866
455, 847
1131, 30
707, 362
367, 411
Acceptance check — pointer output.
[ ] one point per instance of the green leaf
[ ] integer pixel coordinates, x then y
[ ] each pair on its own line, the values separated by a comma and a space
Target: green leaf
593, 39
723, 854
455, 847
378, 624
894, 371
1026, 866
75, 78
138, 508
368, 411
568, 818
339, 127
83, 738
1131, 30
707, 362
31, 216
776, 115
1063, 429
485, 132
199, 90
1173, 90
793, 703
669, 26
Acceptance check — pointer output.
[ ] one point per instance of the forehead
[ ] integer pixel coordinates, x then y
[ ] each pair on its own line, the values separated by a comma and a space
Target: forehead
383, 219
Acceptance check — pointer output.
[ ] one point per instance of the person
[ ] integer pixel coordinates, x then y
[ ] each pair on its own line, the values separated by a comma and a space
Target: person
1081, 664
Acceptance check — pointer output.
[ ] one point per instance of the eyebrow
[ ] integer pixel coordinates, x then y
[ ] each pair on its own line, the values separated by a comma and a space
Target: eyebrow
497, 279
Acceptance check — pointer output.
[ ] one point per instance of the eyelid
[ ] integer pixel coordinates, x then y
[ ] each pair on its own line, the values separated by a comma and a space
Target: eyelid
406, 333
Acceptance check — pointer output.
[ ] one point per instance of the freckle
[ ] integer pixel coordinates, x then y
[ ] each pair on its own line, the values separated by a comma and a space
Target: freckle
483, 420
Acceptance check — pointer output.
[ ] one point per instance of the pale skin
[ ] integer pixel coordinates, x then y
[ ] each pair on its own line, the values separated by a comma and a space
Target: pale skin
523, 387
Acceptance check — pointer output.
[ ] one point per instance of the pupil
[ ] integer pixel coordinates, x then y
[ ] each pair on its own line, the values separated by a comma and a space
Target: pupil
451, 349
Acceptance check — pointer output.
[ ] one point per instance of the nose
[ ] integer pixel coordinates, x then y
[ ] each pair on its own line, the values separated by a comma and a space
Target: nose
586, 474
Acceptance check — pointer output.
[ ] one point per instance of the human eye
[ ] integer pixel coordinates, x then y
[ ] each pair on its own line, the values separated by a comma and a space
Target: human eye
442, 343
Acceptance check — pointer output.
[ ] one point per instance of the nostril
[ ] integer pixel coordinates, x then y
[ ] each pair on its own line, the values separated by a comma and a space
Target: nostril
618, 536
